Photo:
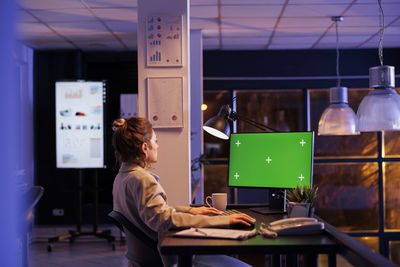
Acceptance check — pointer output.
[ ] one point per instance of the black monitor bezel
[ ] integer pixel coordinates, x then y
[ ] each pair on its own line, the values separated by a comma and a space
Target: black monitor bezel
258, 187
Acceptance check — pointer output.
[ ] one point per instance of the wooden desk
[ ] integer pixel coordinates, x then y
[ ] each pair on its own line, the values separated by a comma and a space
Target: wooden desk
310, 246
331, 242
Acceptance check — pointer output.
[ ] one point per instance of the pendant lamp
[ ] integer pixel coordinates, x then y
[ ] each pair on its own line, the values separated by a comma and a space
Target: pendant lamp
380, 109
338, 118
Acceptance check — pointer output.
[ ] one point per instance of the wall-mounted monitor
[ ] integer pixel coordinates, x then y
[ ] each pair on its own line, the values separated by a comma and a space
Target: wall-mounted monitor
80, 124
271, 160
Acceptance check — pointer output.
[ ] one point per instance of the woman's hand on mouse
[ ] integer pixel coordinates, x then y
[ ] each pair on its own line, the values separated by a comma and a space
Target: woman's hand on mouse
241, 218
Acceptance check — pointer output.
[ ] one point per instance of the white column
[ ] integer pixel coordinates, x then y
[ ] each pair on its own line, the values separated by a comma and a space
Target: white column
174, 152
196, 114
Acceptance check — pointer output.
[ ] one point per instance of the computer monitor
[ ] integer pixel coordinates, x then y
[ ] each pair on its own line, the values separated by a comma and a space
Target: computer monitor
80, 124
271, 160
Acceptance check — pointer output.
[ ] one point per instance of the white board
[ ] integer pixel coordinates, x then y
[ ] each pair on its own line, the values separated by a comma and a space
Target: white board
80, 124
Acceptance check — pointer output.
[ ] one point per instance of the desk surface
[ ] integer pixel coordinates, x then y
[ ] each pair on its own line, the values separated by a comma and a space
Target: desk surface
331, 242
322, 243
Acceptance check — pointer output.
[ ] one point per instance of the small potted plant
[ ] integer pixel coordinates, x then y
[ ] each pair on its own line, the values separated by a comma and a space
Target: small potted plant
301, 201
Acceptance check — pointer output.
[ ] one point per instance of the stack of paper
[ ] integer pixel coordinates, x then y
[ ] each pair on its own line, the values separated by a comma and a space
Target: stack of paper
217, 233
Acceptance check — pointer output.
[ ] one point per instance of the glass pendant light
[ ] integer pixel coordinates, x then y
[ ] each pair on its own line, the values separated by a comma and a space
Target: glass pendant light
338, 118
380, 109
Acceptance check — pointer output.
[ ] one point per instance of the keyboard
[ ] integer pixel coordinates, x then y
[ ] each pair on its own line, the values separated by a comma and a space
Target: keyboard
229, 212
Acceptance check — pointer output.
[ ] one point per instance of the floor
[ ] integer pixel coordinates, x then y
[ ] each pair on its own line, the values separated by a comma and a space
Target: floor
89, 251
82, 253
86, 251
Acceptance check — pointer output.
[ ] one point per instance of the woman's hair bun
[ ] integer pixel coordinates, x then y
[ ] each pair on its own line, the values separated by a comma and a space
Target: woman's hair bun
118, 123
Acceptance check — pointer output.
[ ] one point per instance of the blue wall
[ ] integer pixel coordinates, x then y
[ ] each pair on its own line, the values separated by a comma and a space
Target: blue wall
8, 139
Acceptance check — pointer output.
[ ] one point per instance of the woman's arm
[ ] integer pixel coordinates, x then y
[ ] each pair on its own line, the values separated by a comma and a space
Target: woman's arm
197, 210
156, 214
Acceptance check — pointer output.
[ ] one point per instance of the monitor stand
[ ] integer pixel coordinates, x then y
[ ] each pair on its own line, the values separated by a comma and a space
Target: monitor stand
267, 210
277, 203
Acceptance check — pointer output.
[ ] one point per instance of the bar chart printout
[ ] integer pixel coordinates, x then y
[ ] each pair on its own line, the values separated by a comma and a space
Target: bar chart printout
164, 41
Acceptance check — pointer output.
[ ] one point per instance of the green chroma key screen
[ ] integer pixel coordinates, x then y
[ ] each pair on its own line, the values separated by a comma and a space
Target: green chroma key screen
271, 160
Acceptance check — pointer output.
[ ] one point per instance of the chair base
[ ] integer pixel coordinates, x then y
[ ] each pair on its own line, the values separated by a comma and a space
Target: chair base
103, 234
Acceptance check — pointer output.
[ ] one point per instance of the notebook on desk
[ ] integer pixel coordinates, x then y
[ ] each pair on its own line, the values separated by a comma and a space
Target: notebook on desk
216, 233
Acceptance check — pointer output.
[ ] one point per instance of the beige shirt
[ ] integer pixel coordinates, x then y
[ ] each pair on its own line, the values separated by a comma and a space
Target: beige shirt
140, 198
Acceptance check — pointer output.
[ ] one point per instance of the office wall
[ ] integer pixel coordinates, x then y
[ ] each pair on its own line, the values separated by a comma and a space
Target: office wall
292, 63
120, 70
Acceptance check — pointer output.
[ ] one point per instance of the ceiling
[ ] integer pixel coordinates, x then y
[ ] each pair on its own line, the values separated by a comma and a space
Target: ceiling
226, 24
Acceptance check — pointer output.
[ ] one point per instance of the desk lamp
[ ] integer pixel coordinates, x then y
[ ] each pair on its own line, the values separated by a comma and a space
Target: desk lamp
218, 125
380, 109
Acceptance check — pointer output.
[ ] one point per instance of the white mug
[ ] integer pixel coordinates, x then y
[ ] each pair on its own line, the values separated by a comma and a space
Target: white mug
218, 201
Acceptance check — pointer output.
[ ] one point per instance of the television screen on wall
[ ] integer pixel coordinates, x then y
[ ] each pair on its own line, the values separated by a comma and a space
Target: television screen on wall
80, 124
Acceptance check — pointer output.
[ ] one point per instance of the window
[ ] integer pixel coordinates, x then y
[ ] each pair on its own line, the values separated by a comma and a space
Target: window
348, 195
282, 110
347, 169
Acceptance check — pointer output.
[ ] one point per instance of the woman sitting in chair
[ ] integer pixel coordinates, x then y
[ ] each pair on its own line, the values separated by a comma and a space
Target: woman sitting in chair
138, 195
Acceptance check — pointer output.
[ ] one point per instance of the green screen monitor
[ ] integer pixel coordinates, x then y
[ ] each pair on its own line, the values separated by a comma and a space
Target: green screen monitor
271, 160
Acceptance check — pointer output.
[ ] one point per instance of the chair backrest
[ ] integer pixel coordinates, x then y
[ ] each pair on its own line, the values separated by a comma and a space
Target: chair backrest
122, 222
30, 198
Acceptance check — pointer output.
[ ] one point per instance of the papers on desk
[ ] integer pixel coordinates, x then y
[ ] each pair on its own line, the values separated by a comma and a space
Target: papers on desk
216, 233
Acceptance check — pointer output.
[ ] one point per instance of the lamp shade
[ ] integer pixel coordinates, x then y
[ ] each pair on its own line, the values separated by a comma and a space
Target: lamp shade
338, 118
218, 126
380, 109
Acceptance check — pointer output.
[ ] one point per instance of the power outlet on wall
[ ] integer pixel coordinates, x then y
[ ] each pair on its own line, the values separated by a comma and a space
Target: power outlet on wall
58, 212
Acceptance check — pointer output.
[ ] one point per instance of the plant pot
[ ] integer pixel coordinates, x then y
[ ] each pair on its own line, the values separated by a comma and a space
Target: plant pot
298, 209
311, 212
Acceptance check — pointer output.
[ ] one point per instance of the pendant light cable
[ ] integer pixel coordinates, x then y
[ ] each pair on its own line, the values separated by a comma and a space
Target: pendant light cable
337, 55
382, 25
336, 19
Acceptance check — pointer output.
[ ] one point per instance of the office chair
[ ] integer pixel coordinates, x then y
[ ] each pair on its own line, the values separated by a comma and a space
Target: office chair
141, 248
150, 250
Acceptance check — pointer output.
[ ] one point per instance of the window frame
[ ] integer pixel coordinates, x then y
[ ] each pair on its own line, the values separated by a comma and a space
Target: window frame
384, 237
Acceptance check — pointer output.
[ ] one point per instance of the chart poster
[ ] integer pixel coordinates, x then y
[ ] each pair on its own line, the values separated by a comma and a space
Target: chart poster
80, 124
164, 41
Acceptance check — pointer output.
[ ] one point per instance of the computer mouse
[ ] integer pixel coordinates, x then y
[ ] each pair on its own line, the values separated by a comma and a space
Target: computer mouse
241, 226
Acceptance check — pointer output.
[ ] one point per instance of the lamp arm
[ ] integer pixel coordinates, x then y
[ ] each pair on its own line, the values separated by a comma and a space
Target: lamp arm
234, 116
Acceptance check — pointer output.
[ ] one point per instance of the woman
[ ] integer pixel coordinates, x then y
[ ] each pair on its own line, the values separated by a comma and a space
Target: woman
138, 195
